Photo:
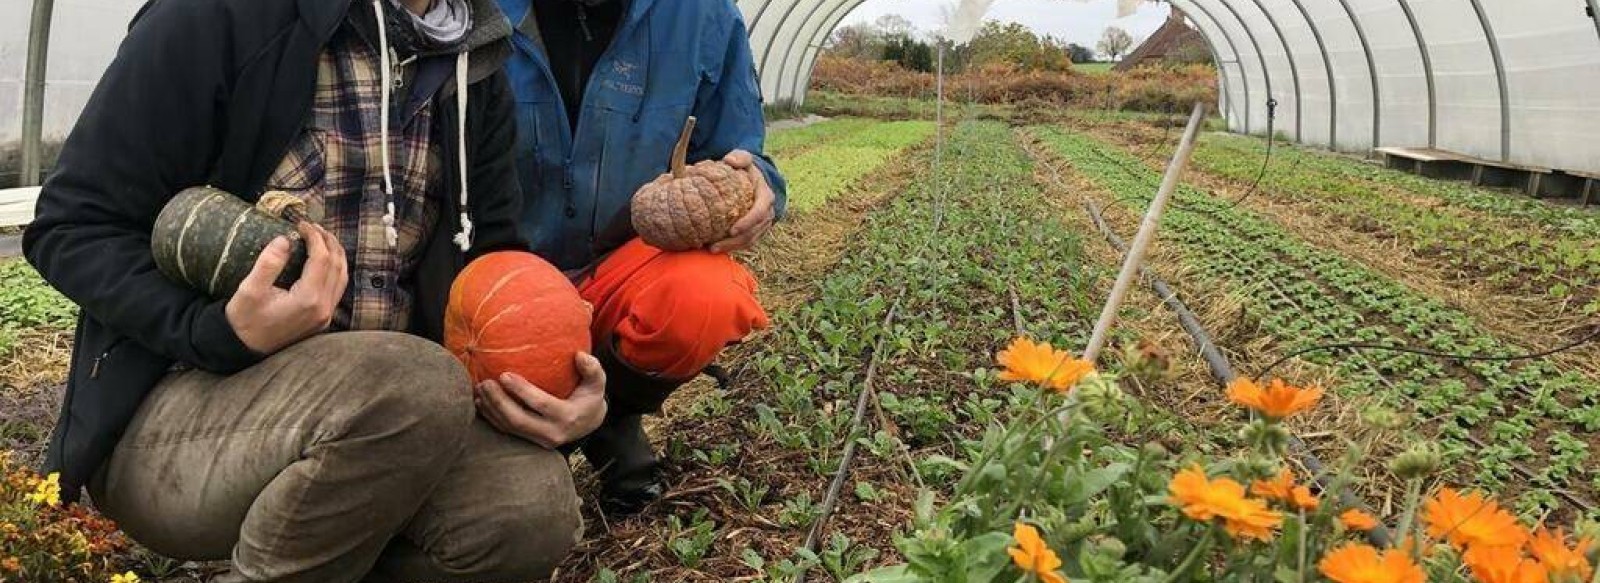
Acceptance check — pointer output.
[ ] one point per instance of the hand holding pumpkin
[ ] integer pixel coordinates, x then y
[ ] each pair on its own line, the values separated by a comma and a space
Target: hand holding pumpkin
268, 318
515, 406
750, 228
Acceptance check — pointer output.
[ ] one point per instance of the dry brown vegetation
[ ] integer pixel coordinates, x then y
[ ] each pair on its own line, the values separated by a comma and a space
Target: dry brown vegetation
1152, 89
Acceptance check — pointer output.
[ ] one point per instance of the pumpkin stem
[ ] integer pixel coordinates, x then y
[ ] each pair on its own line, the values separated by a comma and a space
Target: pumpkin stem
681, 151
282, 205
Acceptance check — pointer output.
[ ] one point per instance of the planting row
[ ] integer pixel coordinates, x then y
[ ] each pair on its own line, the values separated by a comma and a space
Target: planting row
790, 142
1519, 245
1493, 416
949, 251
821, 172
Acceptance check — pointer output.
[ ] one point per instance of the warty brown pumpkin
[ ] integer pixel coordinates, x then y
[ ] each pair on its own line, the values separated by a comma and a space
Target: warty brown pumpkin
693, 205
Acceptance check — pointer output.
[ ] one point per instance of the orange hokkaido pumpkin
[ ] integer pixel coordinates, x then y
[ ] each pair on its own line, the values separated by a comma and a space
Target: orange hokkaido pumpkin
510, 311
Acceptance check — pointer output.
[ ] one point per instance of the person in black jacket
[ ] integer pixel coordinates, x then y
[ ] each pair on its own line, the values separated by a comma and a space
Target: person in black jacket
238, 428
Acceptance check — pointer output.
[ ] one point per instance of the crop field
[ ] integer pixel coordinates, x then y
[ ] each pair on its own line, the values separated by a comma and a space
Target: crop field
884, 425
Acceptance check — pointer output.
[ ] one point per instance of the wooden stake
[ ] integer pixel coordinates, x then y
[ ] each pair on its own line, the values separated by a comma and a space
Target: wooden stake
681, 151
1147, 234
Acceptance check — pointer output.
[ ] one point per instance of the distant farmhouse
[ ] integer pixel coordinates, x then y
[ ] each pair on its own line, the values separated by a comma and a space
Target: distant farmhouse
1175, 43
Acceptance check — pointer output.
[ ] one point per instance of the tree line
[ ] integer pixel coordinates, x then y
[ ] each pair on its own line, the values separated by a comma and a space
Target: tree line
893, 38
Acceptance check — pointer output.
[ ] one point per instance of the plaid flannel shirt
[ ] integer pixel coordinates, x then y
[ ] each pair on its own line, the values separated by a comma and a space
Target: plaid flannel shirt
336, 166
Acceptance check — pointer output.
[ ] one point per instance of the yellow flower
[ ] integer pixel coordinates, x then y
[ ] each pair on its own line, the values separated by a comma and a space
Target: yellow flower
1471, 521
1565, 563
48, 491
1355, 519
1358, 563
1028, 361
1501, 564
1204, 499
10, 565
1277, 401
1033, 556
1283, 489
128, 577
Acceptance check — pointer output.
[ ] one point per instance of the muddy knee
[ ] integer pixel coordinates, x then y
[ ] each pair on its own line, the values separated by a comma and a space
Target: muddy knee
391, 383
523, 522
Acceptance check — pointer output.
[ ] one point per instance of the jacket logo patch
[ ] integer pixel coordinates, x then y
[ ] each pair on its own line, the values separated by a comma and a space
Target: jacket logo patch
624, 68
618, 86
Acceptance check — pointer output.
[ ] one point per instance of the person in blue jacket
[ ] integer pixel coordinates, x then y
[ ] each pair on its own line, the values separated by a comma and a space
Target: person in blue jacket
603, 88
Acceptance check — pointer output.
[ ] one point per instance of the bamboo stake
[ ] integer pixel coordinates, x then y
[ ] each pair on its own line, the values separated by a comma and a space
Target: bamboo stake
1147, 234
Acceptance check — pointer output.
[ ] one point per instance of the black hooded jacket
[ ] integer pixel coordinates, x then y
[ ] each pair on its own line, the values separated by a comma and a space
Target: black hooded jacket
212, 92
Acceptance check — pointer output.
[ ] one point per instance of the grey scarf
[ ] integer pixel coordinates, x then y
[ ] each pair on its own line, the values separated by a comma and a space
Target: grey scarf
445, 24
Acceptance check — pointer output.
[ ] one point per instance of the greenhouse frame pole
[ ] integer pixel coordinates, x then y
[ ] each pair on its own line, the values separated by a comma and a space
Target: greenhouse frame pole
1237, 59
1594, 14
1261, 56
800, 35
1427, 69
808, 59
33, 92
1327, 65
1372, 69
1500, 78
1294, 70
1225, 99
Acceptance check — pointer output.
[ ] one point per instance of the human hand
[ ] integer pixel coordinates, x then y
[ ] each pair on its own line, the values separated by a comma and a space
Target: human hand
755, 223
515, 406
268, 318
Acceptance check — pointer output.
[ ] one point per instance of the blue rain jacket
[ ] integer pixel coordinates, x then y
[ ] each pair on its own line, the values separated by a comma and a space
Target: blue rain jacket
670, 59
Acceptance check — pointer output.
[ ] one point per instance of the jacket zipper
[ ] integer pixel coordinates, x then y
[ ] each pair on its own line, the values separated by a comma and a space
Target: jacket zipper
94, 369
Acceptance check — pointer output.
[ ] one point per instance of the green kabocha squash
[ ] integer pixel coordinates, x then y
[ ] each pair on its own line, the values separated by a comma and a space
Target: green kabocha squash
692, 206
209, 240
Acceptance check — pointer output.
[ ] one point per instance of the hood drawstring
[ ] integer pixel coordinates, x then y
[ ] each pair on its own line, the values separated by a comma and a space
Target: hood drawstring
463, 239
390, 233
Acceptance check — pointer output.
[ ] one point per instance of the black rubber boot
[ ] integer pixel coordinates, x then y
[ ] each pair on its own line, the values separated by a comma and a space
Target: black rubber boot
621, 453
619, 450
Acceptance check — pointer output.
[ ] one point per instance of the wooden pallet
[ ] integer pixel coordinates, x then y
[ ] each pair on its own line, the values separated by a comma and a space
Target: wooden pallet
16, 206
1436, 163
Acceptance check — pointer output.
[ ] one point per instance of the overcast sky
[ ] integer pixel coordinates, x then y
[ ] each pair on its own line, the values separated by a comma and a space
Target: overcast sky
1074, 20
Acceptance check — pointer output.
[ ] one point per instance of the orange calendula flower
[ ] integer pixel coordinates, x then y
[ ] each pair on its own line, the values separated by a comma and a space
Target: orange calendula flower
1471, 520
1277, 401
1358, 563
1283, 489
1033, 556
1204, 499
1563, 562
1503, 564
1355, 519
1037, 362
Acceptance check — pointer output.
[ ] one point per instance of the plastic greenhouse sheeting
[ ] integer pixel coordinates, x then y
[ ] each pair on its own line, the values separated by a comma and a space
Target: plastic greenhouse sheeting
1516, 81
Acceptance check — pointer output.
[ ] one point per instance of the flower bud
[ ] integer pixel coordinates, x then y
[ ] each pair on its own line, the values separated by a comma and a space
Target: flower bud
1155, 451
1381, 417
1421, 461
1102, 398
1270, 438
1111, 547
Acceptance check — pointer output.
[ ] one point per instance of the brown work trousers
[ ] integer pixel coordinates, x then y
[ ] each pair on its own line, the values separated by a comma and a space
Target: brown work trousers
348, 457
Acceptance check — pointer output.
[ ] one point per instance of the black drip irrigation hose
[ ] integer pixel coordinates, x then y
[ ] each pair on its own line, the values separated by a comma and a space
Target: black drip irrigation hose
1222, 372
1356, 346
1272, 137
830, 499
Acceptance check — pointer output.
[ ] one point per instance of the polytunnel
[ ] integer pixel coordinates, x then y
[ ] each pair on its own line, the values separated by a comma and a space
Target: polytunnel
1497, 84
